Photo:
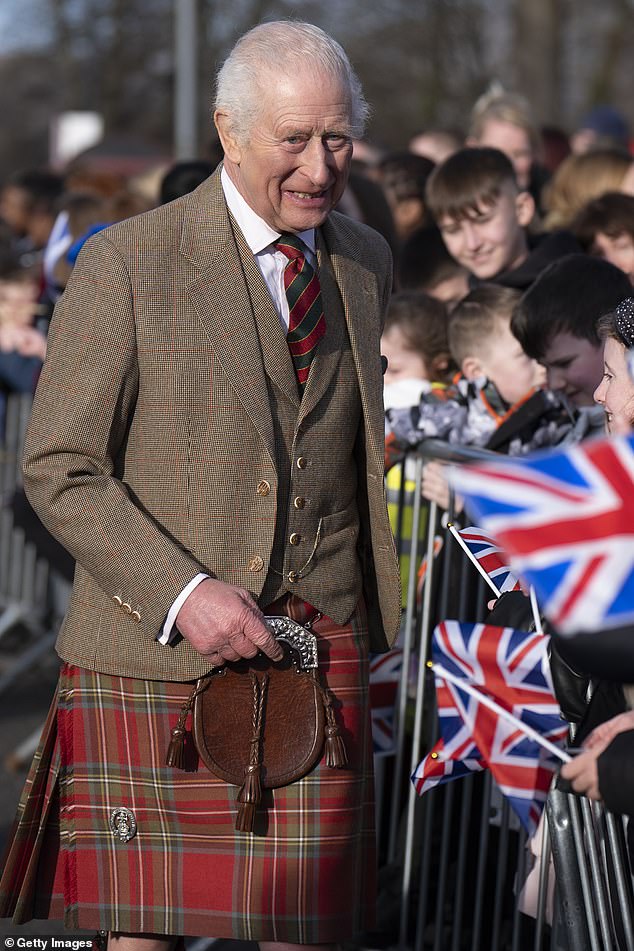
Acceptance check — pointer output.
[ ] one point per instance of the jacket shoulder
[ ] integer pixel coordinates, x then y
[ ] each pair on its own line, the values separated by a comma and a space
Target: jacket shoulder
353, 234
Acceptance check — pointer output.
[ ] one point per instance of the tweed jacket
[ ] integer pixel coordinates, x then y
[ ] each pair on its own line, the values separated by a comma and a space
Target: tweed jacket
150, 451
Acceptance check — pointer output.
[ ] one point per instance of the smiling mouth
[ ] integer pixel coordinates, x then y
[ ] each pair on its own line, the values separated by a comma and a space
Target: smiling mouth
307, 195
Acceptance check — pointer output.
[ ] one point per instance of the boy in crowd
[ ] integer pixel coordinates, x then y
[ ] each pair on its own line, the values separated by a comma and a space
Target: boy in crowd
605, 227
555, 323
483, 215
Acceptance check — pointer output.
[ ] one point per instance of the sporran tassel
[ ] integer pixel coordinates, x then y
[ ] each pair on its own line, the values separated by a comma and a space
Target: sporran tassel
335, 750
250, 794
176, 749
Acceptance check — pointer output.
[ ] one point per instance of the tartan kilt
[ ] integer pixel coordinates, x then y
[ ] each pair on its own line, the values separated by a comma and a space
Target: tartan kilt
306, 875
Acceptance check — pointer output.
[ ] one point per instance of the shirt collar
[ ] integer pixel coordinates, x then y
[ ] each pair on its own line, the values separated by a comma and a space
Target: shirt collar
257, 233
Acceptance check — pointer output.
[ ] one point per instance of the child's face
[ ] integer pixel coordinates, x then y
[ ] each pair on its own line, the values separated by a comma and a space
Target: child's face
615, 392
403, 363
618, 250
507, 366
18, 300
573, 365
491, 239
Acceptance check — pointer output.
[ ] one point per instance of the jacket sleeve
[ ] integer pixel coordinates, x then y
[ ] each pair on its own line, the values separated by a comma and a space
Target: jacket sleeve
616, 774
76, 442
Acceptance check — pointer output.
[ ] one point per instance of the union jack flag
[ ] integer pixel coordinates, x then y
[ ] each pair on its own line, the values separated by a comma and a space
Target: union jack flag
385, 674
512, 668
566, 518
492, 558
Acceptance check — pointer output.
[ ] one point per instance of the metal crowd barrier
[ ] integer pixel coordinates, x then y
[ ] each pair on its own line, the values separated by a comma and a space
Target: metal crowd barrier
457, 856
32, 598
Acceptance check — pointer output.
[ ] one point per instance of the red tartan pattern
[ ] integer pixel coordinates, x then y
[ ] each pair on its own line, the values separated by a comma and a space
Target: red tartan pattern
309, 879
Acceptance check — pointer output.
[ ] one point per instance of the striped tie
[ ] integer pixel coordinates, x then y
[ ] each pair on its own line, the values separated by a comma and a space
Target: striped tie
307, 324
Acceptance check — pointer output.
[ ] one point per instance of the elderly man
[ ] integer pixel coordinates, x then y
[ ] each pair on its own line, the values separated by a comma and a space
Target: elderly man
209, 448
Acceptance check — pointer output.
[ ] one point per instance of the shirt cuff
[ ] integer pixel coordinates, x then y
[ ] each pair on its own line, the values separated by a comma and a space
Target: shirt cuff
168, 627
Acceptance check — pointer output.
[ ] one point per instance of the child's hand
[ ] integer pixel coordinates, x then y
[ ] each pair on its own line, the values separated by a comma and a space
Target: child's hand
583, 774
31, 343
435, 487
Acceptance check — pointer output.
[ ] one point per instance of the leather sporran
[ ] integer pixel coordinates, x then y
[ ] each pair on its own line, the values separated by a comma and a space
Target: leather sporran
261, 725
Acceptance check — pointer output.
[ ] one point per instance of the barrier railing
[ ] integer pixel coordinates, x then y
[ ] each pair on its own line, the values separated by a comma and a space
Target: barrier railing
460, 855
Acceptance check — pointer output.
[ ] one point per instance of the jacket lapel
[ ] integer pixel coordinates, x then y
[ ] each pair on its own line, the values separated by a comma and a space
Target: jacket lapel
221, 289
277, 357
358, 291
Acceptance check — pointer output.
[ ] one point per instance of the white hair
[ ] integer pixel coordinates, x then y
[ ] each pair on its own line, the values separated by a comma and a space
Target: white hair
282, 46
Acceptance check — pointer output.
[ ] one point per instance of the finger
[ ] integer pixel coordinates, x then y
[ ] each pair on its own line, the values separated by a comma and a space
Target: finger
242, 645
254, 628
228, 653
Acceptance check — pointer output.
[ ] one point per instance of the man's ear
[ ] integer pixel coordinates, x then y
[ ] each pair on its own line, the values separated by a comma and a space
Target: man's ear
524, 208
471, 368
228, 140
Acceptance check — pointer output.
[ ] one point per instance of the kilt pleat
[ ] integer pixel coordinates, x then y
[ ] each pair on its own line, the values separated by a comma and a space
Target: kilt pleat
306, 875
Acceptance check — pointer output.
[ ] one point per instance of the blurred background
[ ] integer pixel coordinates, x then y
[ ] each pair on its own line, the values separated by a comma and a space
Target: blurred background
422, 65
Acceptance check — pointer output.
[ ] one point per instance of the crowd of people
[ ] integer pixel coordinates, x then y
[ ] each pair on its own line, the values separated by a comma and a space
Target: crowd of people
509, 320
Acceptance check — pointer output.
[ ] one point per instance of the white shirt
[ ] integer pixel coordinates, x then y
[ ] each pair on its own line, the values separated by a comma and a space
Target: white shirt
260, 238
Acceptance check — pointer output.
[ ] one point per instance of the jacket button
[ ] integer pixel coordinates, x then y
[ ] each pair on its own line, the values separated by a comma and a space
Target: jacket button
293, 577
299, 502
135, 616
256, 563
295, 539
263, 488
118, 600
127, 607
302, 462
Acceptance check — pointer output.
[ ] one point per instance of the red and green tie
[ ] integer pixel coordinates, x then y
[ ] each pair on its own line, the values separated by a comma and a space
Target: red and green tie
307, 324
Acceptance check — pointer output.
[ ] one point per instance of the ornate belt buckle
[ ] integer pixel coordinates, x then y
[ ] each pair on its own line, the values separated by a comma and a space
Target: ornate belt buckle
303, 641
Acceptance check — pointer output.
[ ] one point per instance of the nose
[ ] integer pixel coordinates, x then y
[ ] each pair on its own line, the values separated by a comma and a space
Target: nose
470, 236
555, 378
601, 392
317, 161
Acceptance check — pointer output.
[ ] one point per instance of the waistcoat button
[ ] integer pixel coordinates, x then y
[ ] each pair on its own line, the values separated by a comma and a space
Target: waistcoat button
295, 539
256, 563
293, 577
299, 502
301, 462
263, 488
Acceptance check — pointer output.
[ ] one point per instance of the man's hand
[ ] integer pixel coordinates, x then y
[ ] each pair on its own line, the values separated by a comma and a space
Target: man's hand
223, 623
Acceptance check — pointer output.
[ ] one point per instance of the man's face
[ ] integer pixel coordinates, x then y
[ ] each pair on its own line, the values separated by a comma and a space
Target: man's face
618, 250
491, 239
294, 167
514, 142
574, 366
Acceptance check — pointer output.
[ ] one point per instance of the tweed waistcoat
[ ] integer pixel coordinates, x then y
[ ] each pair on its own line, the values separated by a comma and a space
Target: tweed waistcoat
152, 453
317, 523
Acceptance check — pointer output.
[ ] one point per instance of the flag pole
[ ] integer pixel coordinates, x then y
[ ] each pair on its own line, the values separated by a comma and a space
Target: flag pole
535, 610
456, 534
482, 698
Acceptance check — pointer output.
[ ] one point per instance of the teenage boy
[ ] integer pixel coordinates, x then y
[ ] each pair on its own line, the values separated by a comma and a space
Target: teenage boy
483, 215
555, 322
